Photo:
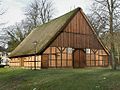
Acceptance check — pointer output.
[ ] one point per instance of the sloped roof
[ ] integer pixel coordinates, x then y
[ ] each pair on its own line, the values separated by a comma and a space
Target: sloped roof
93, 29
44, 35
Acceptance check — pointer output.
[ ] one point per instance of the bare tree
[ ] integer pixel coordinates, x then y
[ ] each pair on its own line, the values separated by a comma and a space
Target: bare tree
39, 12
15, 34
32, 13
2, 12
107, 11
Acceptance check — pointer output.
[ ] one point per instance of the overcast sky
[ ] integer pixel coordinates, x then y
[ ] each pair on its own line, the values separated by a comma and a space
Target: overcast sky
15, 8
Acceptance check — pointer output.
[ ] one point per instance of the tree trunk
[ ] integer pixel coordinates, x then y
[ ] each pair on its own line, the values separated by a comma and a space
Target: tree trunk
112, 35
113, 56
118, 55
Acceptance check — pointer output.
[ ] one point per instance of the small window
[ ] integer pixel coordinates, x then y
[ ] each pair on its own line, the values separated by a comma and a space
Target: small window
69, 50
87, 50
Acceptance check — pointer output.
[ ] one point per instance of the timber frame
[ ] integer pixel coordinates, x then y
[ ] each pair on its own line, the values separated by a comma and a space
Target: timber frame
71, 42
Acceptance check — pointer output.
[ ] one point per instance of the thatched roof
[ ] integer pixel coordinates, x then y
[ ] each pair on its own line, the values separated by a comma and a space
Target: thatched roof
44, 35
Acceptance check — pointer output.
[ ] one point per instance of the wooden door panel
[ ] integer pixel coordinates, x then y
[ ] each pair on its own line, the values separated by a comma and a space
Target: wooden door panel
76, 59
82, 59
44, 61
79, 58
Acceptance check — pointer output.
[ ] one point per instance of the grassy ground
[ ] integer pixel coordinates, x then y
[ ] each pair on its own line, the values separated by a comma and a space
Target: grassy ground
59, 79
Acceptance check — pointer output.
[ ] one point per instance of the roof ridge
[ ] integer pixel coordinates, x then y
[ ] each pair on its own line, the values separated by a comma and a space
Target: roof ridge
76, 9
94, 31
57, 24
62, 28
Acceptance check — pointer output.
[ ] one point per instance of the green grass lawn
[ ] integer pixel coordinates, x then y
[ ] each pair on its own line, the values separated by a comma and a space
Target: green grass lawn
59, 79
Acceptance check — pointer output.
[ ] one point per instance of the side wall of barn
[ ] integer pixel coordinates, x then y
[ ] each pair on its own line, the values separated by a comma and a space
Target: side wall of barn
26, 62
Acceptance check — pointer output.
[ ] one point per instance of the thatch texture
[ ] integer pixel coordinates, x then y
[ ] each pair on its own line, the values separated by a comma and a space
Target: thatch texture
43, 34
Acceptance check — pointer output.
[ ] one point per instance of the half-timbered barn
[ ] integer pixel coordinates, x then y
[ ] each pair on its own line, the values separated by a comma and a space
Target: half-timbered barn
67, 41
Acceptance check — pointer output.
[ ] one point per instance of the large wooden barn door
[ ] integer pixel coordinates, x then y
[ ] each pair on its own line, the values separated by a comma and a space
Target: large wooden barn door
44, 61
76, 59
79, 59
82, 58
